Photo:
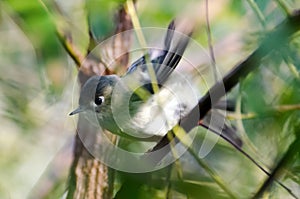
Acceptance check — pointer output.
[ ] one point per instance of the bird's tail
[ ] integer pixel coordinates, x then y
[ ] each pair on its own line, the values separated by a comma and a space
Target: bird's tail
175, 43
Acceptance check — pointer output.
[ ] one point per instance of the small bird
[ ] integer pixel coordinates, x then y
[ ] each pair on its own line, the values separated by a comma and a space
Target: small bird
130, 106
146, 118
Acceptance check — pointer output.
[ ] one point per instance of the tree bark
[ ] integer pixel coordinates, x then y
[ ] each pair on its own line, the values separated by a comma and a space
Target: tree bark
89, 178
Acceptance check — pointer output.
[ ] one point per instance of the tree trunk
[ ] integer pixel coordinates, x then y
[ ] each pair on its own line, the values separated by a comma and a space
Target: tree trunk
89, 178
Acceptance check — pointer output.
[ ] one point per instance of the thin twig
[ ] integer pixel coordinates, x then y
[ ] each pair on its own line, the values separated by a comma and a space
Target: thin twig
64, 38
169, 184
209, 41
279, 169
247, 156
143, 43
211, 172
283, 5
181, 135
291, 64
72, 51
258, 13
240, 126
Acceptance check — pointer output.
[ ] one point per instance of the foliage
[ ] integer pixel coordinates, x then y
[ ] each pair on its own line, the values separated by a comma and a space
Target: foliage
38, 78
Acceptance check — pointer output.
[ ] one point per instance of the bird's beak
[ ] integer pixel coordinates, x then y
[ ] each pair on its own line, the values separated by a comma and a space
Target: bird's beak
78, 110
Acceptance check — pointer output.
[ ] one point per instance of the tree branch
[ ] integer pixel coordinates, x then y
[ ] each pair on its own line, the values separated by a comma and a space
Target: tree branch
274, 40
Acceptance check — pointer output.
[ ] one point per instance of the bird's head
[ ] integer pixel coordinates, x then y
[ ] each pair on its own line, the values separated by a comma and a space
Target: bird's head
96, 94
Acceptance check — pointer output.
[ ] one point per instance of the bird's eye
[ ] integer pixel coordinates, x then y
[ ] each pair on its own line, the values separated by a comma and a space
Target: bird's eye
99, 100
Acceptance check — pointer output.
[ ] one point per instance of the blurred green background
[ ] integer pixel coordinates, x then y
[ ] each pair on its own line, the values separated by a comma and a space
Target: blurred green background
38, 89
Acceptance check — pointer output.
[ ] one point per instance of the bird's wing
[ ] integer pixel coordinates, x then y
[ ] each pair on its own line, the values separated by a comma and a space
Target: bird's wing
166, 60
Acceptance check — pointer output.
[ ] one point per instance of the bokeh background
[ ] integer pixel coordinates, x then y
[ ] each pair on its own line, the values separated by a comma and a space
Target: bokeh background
38, 88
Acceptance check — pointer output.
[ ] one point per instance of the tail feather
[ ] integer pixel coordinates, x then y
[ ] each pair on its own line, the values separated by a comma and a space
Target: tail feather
169, 35
175, 43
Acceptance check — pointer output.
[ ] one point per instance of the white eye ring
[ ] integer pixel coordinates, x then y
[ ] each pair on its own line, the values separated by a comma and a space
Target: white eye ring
99, 100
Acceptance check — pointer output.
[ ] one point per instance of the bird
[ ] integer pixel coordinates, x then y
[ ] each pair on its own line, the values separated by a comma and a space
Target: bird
130, 106
151, 98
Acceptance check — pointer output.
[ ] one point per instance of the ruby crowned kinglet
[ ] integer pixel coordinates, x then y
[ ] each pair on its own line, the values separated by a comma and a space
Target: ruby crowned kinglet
150, 99
148, 114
